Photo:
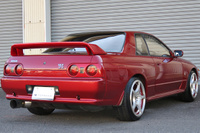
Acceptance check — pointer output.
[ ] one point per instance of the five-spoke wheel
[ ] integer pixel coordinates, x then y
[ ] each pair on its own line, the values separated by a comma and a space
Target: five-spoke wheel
134, 101
137, 98
194, 85
191, 90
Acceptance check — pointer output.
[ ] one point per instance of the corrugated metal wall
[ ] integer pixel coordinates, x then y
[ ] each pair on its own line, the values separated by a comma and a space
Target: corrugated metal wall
10, 28
175, 22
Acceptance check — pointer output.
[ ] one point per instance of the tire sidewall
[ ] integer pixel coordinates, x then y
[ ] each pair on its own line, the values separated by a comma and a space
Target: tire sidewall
127, 98
188, 92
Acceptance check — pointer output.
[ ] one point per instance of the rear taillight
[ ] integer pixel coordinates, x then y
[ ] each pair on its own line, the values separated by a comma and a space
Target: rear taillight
7, 69
91, 70
13, 69
19, 69
84, 70
73, 70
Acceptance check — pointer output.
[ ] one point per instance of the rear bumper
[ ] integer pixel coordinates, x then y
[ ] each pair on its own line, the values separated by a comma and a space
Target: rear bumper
91, 90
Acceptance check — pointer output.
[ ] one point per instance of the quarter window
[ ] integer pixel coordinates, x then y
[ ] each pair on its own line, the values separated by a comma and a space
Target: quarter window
156, 47
141, 47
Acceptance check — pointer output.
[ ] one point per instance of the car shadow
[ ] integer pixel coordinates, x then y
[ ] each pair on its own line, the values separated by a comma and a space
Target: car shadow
154, 109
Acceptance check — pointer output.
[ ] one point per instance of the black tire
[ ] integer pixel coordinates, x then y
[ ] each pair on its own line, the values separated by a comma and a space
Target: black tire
40, 111
191, 90
134, 101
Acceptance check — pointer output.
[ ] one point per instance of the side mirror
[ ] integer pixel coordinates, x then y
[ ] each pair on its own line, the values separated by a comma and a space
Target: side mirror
178, 53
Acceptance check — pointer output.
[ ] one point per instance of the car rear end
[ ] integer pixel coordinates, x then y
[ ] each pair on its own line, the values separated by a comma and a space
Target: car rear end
72, 77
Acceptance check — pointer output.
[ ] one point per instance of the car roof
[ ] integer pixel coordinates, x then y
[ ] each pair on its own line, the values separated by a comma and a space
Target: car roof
104, 32
95, 33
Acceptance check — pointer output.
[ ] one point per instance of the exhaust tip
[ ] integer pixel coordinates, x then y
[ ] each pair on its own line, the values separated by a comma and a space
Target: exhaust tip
13, 104
20, 104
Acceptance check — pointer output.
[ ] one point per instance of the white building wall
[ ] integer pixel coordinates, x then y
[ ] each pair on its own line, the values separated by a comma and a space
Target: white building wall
36, 23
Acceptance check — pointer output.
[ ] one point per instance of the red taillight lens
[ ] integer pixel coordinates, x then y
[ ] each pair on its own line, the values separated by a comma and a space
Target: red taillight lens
73, 70
19, 69
91, 70
7, 69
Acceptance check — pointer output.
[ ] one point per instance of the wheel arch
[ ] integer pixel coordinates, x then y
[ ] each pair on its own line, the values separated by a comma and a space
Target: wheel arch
196, 71
140, 76
143, 79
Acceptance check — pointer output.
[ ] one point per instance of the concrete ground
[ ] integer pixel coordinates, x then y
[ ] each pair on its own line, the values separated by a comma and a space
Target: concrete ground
167, 115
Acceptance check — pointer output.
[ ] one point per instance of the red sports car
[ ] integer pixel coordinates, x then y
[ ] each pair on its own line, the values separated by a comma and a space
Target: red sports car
97, 69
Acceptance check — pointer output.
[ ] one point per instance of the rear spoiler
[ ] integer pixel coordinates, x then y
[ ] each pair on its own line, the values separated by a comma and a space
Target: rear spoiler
92, 49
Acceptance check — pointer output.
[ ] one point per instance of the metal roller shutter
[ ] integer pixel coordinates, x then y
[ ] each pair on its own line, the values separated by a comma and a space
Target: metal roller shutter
175, 22
10, 28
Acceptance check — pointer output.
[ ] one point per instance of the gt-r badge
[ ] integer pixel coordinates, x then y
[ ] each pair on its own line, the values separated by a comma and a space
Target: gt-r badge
13, 61
60, 66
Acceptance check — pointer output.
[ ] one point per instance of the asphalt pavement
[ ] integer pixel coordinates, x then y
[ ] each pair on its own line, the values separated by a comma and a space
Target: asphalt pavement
167, 115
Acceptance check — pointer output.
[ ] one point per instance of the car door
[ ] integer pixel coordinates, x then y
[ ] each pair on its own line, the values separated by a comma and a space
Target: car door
146, 63
169, 70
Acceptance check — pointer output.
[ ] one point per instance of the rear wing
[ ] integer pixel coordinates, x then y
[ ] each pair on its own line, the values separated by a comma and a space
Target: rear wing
92, 49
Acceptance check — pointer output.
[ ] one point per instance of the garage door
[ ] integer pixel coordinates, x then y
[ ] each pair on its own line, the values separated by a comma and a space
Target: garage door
175, 22
10, 28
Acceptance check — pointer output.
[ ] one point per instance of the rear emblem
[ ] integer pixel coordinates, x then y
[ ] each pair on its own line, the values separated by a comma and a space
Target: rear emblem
13, 60
60, 66
44, 63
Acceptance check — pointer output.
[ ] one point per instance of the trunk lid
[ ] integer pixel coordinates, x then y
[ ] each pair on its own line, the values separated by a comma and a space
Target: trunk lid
48, 66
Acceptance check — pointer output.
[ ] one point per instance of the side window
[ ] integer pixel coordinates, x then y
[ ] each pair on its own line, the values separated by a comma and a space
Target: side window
141, 47
156, 48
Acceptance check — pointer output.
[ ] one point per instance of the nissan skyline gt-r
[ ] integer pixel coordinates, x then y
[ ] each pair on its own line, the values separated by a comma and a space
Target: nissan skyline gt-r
97, 69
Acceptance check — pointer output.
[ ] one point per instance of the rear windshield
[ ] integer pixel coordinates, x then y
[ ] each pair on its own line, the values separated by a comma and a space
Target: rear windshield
108, 42
69, 50
56, 51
